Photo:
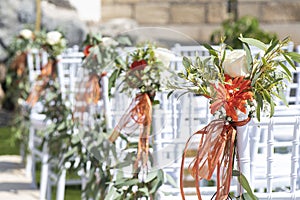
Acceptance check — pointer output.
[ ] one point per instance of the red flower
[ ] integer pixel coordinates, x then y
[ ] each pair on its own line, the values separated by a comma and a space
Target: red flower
139, 65
86, 50
232, 95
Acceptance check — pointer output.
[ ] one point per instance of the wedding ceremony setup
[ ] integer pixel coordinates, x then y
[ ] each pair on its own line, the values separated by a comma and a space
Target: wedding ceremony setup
148, 112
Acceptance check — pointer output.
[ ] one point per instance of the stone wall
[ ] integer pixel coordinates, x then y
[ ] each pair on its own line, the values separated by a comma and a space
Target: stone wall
198, 18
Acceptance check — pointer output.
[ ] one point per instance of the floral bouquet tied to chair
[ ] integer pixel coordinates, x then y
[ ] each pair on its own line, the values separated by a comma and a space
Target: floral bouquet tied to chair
239, 87
143, 76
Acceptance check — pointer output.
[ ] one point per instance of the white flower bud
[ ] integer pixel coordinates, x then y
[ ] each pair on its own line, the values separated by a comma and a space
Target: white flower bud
164, 55
26, 34
53, 37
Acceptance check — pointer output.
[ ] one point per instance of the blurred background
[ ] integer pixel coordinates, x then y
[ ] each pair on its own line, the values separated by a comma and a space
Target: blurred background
197, 19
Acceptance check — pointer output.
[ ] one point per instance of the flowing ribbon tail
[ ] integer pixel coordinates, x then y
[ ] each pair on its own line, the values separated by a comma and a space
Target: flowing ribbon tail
224, 168
41, 83
138, 115
92, 89
215, 150
91, 93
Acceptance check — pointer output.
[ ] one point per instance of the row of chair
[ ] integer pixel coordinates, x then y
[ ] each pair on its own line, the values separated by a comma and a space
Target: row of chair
174, 120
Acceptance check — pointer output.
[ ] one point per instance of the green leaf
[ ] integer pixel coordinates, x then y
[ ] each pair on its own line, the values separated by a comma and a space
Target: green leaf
282, 97
112, 194
259, 105
256, 76
248, 56
170, 93
186, 63
171, 180
288, 72
272, 46
244, 182
235, 172
156, 183
289, 61
254, 42
144, 190
127, 182
152, 175
181, 75
294, 56
124, 40
272, 106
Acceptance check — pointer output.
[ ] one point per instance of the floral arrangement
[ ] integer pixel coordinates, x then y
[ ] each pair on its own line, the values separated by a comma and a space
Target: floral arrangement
239, 86
17, 73
54, 44
90, 153
102, 50
141, 76
143, 70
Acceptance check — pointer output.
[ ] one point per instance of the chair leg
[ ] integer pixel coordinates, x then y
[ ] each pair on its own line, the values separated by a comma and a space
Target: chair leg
44, 172
60, 191
30, 163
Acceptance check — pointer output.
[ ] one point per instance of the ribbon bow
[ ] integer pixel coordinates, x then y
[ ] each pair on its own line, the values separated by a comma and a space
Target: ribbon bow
215, 150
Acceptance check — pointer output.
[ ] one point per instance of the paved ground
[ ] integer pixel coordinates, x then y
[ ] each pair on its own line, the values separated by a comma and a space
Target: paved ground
14, 185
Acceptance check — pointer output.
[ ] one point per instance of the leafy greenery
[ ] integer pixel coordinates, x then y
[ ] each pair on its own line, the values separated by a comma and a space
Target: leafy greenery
140, 71
247, 25
266, 73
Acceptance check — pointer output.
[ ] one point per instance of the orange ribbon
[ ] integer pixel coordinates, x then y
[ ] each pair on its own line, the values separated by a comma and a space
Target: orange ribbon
139, 114
91, 94
215, 150
47, 73
92, 89
19, 64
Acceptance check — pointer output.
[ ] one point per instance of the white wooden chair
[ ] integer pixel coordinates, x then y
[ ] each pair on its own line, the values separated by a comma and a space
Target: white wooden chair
36, 59
68, 61
275, 163
191, 51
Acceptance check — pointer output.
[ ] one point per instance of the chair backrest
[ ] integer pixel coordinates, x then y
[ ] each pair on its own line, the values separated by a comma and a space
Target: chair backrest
275, 162
191, 51
36, 59
68, 68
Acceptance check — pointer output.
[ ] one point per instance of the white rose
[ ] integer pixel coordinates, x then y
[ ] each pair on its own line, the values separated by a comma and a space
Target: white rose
107, 41
164, 55
235, 63
26, 34
53, 37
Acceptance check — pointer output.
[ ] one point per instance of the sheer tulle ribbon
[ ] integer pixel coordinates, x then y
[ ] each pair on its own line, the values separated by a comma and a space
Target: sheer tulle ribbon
90, 95
138, 115
214, 150
48, 72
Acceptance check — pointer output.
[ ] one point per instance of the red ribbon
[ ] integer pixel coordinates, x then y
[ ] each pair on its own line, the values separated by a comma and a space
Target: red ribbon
215, 150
